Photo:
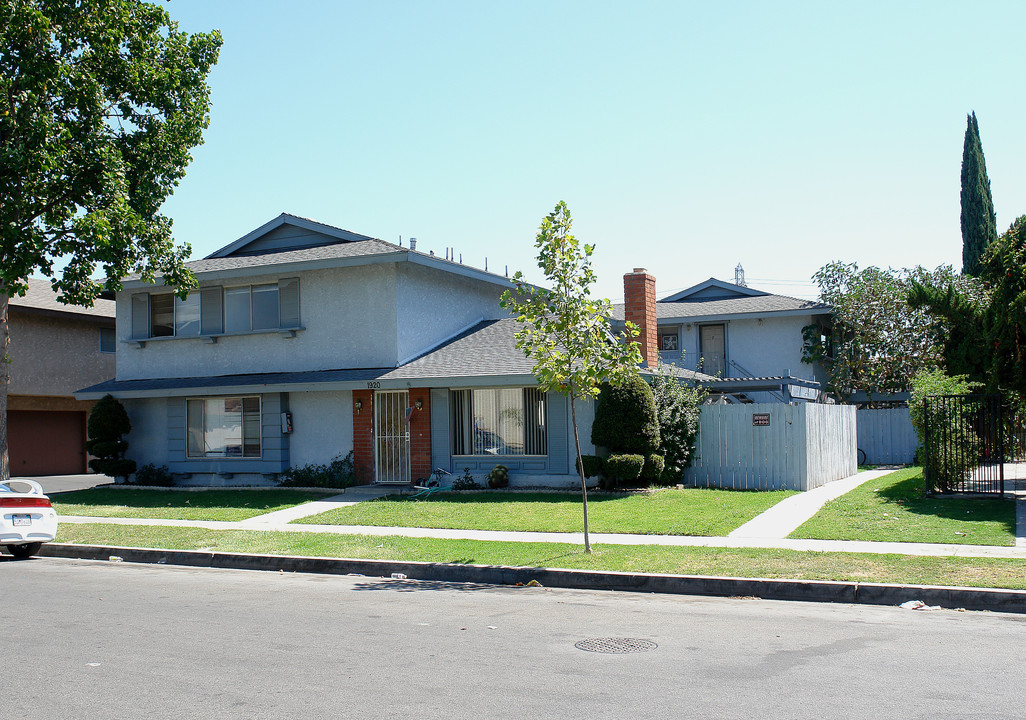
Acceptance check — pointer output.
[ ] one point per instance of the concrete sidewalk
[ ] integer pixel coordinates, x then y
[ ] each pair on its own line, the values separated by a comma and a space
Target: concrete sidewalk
347, 498
789, 514
854, 546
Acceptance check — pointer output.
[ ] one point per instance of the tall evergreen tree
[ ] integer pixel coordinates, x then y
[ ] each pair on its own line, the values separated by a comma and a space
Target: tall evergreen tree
979, 224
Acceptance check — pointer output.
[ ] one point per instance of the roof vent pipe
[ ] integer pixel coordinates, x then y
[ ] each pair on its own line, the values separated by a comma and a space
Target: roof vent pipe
413, 243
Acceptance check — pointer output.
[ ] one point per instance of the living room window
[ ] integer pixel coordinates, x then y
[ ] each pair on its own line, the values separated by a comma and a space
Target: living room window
498, 421
223, 427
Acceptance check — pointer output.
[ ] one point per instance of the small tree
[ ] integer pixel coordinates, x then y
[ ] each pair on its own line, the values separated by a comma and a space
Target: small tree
108, 423
565, 331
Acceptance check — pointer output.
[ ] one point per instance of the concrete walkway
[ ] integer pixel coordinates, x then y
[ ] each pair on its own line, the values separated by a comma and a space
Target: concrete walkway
787, 515
348, 498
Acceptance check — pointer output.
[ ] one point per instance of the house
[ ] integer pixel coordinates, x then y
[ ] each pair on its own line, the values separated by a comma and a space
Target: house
750, 340
54, 350
304, 341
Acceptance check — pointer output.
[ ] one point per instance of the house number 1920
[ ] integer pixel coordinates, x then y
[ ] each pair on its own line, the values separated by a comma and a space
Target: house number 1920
373, 385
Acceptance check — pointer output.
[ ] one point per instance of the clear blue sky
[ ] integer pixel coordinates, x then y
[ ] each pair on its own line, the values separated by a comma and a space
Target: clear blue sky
685, 137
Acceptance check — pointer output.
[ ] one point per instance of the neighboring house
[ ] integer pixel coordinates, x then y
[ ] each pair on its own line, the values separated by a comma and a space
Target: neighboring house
304, 341
54, 350
750, 339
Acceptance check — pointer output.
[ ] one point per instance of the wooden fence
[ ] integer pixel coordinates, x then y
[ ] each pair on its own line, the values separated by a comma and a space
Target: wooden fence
773, 446
886, 436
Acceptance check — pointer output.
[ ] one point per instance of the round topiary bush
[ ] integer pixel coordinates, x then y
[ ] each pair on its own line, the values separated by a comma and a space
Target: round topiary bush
624, 468
653, 469
626, 419
593, 465
498, 477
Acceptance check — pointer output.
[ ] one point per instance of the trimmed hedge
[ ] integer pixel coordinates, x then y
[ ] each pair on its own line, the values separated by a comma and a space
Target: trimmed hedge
653, 470
593, 465
626, 418
626, 468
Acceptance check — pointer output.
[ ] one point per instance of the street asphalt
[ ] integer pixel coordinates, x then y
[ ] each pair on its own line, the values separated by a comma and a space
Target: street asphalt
91, 640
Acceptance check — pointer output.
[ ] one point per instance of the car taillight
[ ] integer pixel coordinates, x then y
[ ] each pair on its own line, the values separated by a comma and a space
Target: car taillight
22, 502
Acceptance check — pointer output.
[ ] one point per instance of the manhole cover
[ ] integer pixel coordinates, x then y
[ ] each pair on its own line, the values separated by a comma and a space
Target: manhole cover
615, 645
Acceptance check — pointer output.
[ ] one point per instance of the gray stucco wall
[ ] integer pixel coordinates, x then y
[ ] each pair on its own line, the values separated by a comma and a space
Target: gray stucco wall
56, 356
322, 426
433, 306
766, 349
350, 320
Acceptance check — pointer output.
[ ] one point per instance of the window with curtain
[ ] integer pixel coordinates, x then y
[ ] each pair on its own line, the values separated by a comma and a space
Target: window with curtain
223, 427
498, 421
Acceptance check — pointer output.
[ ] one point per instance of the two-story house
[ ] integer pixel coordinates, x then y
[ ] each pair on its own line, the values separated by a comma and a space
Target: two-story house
304, 341
55, 349
750, 339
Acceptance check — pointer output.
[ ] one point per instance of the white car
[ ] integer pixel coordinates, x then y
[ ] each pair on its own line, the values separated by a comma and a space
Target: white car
27, 520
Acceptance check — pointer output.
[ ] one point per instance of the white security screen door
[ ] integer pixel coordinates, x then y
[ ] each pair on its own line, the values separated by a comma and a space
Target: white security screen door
712, 348
391, 437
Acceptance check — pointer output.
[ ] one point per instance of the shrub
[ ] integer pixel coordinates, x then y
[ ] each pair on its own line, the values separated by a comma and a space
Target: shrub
153, 475
626, 420
466, 481
593, 465
626, 468
678, 406
498, 477
652, 471
339, 473
108, 421
952, 435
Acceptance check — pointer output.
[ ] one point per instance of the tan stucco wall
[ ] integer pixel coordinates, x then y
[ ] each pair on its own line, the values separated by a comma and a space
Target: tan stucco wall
55, 356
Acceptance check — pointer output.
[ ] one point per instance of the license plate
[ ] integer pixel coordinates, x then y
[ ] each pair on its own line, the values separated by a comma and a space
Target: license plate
21, 520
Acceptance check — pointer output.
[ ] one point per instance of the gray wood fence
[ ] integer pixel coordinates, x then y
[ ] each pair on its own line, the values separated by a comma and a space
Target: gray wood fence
773, 446
886, 436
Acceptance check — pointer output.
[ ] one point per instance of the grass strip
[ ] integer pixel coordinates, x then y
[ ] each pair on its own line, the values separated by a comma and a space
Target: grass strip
743, 562
179, 505
691, 511
894, 508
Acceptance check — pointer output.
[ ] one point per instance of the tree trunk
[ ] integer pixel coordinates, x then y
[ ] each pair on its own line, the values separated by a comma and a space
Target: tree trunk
580, 470
5, 338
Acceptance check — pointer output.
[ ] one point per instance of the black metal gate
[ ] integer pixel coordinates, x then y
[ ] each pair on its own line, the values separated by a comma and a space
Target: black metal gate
969, 438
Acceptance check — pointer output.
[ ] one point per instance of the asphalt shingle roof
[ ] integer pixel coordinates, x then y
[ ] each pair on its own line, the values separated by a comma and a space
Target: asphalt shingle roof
731, 306
40, 296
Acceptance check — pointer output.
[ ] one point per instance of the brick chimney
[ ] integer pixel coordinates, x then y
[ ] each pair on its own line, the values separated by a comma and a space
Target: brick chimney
640, 308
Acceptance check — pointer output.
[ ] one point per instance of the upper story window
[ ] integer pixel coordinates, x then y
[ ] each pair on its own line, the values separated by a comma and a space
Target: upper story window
217, 310
668, 341
107, 340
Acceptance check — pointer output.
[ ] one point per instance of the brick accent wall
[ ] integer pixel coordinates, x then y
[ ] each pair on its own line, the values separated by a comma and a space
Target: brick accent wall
420, 434
363, 436
640, 309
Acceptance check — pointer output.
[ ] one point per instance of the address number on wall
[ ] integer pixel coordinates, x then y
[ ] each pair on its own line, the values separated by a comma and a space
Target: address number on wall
373, 385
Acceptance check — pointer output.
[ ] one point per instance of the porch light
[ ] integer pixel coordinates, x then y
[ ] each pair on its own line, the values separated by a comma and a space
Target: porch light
358, 404
419, 404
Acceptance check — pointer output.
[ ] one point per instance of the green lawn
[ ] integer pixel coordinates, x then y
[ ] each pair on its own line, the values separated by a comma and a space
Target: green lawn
893, 508
179, 505
973, 572
690, 511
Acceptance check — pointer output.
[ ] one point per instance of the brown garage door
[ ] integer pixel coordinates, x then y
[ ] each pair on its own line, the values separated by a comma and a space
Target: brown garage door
44, 442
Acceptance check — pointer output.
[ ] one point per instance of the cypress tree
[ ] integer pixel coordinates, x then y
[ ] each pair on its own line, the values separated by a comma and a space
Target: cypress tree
979, 224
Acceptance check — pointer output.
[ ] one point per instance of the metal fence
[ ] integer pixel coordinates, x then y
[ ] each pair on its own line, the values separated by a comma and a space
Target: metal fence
969, 439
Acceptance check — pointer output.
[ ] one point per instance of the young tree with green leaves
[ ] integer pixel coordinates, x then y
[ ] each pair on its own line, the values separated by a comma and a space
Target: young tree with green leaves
565, 331
979, 223
100, 105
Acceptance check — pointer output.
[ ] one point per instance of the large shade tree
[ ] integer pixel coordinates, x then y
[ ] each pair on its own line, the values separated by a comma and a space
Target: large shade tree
100, 105
565, 331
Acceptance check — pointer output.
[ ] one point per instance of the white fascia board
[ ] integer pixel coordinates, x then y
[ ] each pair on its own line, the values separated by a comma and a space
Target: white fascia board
737, 316
433, 261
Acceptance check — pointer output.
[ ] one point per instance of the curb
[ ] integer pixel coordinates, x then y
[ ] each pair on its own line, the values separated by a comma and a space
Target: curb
854, 593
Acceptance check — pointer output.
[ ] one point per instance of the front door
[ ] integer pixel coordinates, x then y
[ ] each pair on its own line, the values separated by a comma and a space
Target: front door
391, 436
712, 348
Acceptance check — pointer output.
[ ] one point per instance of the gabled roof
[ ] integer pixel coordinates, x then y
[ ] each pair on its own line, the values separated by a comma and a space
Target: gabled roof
290, 243
41, 299
715, 299
323, 235
712, 289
